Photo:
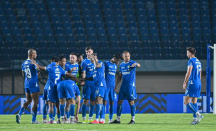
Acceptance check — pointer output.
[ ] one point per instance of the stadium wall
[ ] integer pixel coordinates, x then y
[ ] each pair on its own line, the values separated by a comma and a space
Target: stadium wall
145, 103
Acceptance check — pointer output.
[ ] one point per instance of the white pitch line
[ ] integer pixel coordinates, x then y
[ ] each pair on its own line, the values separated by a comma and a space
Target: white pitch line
48, 128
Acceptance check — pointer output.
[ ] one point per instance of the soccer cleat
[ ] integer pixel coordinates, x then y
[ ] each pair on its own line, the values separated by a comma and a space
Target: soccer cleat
50, 122
115, 122
35, 122
194, 122
72, 121
63, 121
54, 122
44, 121
101, 122
58, 122
67, 122
110, 121
199, 118
85, 121
94, 122
90, 121
132, 122
18, 118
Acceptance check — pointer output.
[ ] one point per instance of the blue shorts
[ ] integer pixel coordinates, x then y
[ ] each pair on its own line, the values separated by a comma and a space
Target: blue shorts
32, 90
100, 91
65, 90
89, 90
53, 94
193, 90
110, 94
45, 94
127, 93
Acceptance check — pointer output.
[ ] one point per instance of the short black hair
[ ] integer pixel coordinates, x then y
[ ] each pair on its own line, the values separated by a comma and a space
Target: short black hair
88, 48
192, 50
55, 59
118, 56
78, 55
61, 57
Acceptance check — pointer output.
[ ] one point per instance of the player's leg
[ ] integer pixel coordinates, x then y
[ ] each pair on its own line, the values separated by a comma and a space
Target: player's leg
35, 98
92, 101
24, 107
194, 101
131, 96
112, 97
50, 103
99, 105
45, 108
62, 109
67, 110
72, 110
133, 110
102, 93
86, 97
57, 112
54, 113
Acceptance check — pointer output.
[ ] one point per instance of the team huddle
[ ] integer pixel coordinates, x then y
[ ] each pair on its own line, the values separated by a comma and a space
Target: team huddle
61, 92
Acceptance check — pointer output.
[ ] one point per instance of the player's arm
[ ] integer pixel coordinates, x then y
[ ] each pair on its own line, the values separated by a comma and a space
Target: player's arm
201, 74
95, 62
136, 65
23, 73
119, 78
38, 67
189, 70
73, 78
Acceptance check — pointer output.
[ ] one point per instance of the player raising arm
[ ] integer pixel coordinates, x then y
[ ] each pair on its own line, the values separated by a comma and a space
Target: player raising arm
128, 89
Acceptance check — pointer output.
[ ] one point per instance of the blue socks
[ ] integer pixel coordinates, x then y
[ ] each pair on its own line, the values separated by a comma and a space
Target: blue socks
91, 111
98, 110
58, 116
62, 110
45, 111
111, 112
34, 115
102, 114
194, 114
51, 116
72, 110
22, 109
119, 110
54, 113
84, 107
67, 114
192, 107
133, 110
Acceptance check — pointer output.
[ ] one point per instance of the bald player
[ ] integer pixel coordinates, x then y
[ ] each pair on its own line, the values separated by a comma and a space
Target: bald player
32, 90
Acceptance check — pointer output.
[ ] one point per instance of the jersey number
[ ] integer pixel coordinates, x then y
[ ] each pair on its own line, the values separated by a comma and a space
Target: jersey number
56, 79
198, 69
28, 72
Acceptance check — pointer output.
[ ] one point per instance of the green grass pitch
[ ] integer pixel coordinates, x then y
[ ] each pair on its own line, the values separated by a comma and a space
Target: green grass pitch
144, 122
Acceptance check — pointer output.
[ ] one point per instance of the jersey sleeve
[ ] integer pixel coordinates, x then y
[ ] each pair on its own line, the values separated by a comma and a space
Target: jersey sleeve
48, 68
67, 68
83, 66
190, 63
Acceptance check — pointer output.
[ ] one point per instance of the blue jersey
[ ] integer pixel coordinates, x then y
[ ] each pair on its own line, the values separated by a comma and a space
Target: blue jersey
55, 73
99, 78
195, 74
128, 73
48, 80
31, 77
71, 66
110, 72
88, 67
